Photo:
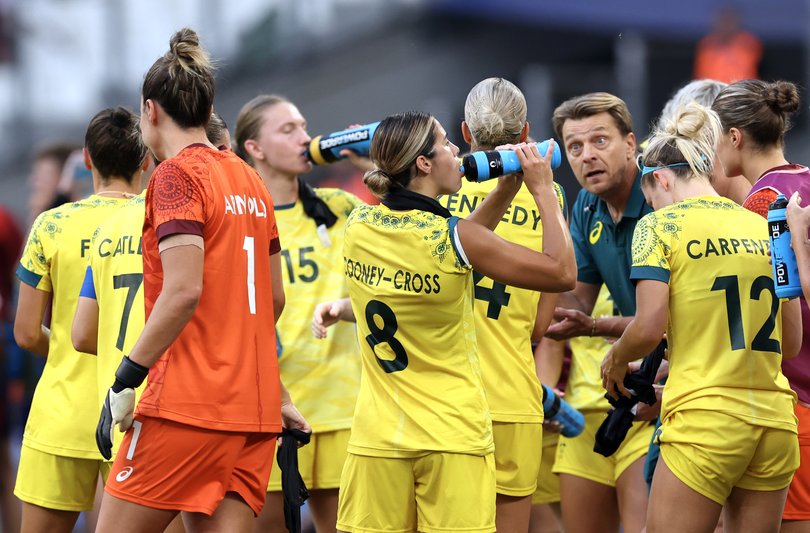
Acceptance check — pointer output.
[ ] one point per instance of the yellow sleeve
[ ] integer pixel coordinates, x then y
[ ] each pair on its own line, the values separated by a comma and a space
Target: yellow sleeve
650, 250
35, 264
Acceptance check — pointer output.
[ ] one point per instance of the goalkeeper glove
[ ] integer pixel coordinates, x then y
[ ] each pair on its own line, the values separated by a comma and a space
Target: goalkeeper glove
119, 405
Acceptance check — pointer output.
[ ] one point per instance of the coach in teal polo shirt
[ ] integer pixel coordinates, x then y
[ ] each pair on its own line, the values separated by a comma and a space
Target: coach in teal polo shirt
603, 247
597, 134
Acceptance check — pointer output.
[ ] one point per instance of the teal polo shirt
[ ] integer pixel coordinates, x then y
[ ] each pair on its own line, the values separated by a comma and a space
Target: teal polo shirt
603, 248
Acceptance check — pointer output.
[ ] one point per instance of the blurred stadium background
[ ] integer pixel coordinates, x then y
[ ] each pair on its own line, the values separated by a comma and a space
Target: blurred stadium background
355, 61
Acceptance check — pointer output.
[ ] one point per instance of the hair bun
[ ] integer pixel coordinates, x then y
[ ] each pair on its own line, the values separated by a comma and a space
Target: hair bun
688, 121
184, 43
120, 117
378, 182
782, 97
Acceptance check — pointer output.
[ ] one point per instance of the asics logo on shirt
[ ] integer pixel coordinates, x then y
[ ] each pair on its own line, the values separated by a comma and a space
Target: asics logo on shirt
596, 232
124, 474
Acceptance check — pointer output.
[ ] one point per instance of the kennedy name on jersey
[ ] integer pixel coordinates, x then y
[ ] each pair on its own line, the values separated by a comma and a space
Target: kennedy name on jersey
240, 204
514, 214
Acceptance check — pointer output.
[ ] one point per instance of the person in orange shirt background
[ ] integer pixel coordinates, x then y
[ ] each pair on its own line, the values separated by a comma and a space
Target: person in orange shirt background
728, 53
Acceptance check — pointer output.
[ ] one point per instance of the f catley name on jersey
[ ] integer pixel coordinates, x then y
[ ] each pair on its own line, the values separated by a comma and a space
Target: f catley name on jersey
240, 204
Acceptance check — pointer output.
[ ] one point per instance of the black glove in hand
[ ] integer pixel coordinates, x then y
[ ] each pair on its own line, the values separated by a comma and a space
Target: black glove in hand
119, 405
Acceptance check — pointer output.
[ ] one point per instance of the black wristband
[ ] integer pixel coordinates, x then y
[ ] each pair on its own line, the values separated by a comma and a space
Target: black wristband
129, 375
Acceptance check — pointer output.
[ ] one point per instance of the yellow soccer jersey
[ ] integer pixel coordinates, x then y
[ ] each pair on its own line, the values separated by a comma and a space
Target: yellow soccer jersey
411, 291
322, 375
504, 315
724, 330
65, 408
116, 267
584, 389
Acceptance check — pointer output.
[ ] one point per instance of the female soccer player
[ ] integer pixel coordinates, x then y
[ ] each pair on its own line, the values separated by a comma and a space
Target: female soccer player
422, 421
728, 434
494, 115
323, 377
204, 434
755, 117
59, 462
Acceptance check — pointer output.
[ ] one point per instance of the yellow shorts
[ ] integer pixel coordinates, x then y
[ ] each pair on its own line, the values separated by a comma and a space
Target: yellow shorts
320, 462
435, 493
575, 456
517, 457
712, 452
58, 482
548, 483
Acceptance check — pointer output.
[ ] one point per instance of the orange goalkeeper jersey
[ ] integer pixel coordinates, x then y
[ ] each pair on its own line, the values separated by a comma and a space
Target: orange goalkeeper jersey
221, 372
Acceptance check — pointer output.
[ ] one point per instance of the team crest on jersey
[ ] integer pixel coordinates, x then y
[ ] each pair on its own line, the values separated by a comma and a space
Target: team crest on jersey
596, 232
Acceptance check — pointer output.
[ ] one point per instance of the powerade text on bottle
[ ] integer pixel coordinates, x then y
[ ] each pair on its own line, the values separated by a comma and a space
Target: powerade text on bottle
489, 164
555, 408
783, 259
325, 149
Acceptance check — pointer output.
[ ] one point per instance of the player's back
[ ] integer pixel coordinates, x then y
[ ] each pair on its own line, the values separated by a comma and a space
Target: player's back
505, 315
221, 372
116, 264
322, 376
65, 409
411, 292
725, 325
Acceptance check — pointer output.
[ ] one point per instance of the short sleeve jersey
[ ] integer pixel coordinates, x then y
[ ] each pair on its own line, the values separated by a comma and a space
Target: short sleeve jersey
602, 247
584, 389
411, 291
724, 329
504, 315
322, 376
221, 372
65, 407
114, 279
787, 179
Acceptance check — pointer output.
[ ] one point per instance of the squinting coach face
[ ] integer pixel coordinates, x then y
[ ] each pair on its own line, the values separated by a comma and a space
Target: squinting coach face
598, 153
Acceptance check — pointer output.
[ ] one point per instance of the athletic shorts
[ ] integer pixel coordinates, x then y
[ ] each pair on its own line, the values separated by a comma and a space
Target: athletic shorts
797, 506
575, 456
712, 452
169, 465
434, 493
548, 483
517, 457
320, 462
58, 482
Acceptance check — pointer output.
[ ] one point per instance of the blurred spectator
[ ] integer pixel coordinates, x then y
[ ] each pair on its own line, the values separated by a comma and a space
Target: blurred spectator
11, 241
46, 173
7, 43
728, 53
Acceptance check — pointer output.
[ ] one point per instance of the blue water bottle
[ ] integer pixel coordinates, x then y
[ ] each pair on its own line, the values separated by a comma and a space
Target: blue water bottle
555, 408
325, 149
489, 164
783, 259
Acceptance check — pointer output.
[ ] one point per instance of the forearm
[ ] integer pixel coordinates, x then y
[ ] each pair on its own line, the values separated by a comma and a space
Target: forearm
345, 311
548, 358
285, 394
169, 316
634, 344
492, 209
41, 342
610, 326
557, 241
802, 250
